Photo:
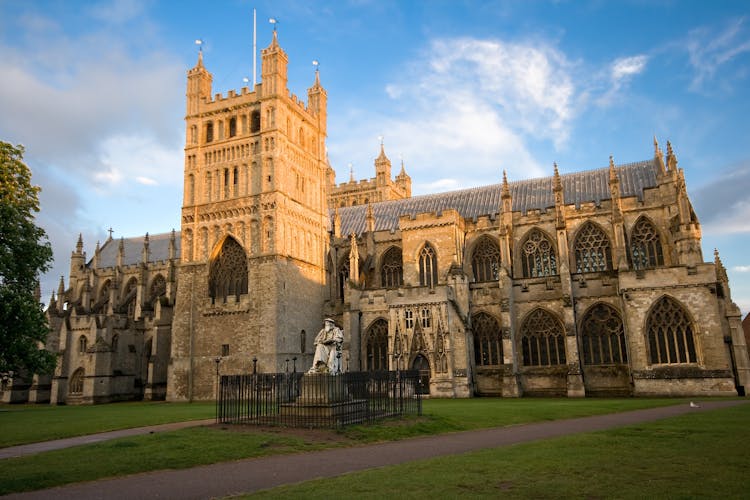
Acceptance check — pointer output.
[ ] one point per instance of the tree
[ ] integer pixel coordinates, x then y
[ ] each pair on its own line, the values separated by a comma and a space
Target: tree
24, 253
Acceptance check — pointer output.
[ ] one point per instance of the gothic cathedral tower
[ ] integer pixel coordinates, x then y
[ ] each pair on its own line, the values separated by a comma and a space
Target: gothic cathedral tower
254, 229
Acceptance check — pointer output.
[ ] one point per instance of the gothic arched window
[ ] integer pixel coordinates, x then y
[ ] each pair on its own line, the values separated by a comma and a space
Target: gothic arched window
82, 344
538, 255
542, 339
232, 126
427, 267
603, 337
343, 277
392, 268
75, 386
645, 245
485, 260
592, 249
488, 340
128, 298
377, 346
255, 121
227, 274
158, 288
670, 334
209, 132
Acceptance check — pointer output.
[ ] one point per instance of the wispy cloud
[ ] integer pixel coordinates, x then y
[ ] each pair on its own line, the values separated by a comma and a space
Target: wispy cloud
709, 51
723, 204
620, 72
741, 269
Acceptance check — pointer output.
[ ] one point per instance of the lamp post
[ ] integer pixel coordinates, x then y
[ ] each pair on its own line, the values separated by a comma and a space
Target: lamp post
217, 360
294, 364
255, 364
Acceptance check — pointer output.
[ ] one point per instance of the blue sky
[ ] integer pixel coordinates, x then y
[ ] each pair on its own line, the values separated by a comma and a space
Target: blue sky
459, 90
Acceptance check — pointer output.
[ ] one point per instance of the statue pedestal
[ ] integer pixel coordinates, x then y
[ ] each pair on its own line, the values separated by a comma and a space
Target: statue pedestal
324, 402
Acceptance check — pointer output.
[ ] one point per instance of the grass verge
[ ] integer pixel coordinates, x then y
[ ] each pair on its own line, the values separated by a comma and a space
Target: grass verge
23, 424
205, 445
692, 456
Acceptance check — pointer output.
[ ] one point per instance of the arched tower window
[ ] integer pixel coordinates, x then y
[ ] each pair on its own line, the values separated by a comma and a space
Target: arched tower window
427, 266
208, 186
82, 344
670, 334
488, 340
603, 337
542, 340
235, 182
232, 127
226, 183
227, 273
75, 386
538, 255
392, 268
486, 260
255, 121
645, 245
376, 346
593, 250
191, 190
209, 132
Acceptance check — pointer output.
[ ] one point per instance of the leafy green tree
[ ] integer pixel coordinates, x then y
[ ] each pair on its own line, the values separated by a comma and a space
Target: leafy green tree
24, 253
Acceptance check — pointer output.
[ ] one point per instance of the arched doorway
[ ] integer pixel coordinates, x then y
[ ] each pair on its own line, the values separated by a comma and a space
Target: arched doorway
421, 364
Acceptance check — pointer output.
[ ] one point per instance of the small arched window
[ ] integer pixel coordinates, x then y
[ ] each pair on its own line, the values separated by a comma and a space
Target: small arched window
428, 267
75, 386
377, 346
542, 340
670, 334
158, 288
392, 268
645, 245
255, 121
209, 132
538, 256
82, 344
115, 342
232, 127
592, 249
488, 340
343, 277
485, 260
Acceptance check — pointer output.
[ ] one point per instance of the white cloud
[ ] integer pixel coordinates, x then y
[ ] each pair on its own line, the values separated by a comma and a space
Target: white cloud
741, 269
709, 52
628, 66
146, 181
620, 72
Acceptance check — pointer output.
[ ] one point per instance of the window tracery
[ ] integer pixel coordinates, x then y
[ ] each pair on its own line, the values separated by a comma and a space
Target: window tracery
228, 272
670, 334
76, 382
377, 346
592, 249
603, 337
645, 245
538, 256
392, 268
427, 266
486, 260
488, 340
542, 340
158, 288
343, 277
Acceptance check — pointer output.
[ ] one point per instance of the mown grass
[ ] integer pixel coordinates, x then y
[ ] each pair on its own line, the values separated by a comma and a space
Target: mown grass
23, 424
205, 445
699, 455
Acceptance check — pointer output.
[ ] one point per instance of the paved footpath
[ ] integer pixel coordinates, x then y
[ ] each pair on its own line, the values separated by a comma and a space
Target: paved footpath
249, 475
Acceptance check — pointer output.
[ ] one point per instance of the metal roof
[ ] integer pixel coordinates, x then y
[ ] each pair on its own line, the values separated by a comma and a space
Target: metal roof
531, 194
158, 249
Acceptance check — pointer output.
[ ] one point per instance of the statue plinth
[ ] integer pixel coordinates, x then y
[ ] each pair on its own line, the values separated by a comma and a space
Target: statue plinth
324, 402
322, 388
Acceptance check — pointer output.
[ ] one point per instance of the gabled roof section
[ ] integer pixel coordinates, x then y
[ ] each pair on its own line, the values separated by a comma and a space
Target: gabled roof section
158, 249
531, 194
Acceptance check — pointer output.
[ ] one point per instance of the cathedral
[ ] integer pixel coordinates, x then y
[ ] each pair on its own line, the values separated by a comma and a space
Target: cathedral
585, 284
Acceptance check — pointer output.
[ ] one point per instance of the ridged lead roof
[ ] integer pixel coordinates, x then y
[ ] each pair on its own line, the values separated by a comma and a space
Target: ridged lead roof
158, 249
531, 194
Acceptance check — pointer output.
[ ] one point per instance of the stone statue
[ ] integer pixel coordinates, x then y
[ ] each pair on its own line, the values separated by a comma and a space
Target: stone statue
328, 349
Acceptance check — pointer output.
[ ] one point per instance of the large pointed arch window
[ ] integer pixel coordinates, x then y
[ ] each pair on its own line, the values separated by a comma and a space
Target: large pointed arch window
542, 339
376, 346
392, 268
427, 266
75, 386
670, 334
227, 274
538, 255
645, 245
485, 260
158, 288
603, 337
488, 340
343, 277
592, 249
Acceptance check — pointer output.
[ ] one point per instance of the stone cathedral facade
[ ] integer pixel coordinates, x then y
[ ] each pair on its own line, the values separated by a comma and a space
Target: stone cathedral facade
589, 283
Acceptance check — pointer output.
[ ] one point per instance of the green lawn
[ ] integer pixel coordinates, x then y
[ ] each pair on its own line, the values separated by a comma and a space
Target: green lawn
197, 446
699, 455
22, 424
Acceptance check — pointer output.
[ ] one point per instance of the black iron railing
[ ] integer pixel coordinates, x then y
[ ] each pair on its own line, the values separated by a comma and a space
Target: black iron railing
319, 400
